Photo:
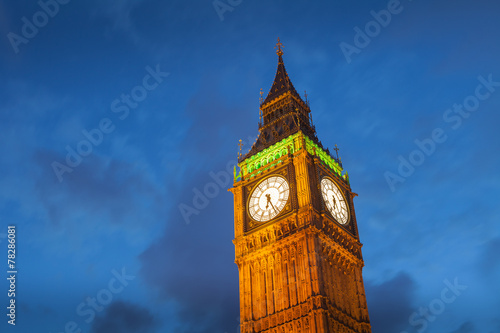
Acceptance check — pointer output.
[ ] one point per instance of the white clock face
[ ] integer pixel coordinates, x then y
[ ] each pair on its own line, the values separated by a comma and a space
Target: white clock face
335, 201
268, 199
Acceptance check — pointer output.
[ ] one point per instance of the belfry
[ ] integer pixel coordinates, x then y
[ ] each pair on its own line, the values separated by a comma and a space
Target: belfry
296, 238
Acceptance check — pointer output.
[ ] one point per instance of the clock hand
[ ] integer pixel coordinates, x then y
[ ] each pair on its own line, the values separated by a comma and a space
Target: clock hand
334, 202
268, 196
273, 207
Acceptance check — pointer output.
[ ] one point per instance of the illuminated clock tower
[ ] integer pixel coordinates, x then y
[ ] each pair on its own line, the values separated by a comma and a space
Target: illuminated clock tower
296, 238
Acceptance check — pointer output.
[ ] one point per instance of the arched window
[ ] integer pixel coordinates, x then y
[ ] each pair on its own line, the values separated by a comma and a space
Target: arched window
264, 297
273, 303
287, 303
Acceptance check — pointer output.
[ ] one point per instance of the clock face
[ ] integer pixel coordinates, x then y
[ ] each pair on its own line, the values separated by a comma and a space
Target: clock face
335, 201
268, 199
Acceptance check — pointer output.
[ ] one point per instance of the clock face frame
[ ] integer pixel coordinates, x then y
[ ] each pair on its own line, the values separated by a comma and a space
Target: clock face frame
335, 200
268, 198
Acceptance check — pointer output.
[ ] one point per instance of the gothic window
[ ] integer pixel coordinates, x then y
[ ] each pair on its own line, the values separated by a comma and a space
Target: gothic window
264, 296
251, 289
273, 303
294, 281
287, 302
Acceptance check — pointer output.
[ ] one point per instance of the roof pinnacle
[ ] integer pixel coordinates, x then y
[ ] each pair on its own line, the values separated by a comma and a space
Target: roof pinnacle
278, 47
282, 83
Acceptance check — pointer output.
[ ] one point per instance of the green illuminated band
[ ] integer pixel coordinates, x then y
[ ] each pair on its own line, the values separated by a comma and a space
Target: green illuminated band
276, 153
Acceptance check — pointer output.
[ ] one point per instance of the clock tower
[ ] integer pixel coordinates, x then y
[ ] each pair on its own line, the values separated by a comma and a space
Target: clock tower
296, 237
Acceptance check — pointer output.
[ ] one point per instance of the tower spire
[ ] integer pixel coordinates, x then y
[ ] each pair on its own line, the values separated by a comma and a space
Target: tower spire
282, 83
282, 112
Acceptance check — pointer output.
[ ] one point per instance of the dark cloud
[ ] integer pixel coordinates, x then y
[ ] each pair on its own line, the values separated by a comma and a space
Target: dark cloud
123, 317
466, 327
390, 303
103, 188
488, 263
194, 265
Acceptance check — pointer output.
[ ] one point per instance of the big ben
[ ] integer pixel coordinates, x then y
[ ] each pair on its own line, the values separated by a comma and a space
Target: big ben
296, 239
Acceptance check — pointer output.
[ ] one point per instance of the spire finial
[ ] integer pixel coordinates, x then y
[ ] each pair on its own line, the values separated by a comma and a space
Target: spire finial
336, 151
241, 146
278, 47
261, 99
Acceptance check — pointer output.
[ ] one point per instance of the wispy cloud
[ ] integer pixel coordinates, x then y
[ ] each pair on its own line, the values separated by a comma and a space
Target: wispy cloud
125, 317
390, 303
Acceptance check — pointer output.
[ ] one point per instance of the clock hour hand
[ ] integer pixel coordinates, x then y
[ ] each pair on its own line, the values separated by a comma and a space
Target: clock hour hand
268, 196
334, 202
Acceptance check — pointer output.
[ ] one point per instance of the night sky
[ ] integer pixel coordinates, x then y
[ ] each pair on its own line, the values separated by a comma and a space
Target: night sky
119, 125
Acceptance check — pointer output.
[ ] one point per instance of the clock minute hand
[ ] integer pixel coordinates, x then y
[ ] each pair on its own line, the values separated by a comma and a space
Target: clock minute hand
273, 206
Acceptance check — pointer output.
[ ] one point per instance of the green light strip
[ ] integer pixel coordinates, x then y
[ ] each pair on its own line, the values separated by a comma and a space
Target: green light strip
272, 155
323, 156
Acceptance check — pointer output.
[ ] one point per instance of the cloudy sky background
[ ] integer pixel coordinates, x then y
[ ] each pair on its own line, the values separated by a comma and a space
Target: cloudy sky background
117, 212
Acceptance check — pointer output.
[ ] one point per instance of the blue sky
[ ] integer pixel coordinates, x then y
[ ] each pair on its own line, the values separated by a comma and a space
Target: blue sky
165, 89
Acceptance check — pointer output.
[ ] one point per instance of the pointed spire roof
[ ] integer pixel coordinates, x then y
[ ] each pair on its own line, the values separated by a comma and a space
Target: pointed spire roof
282, 113
282, 83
